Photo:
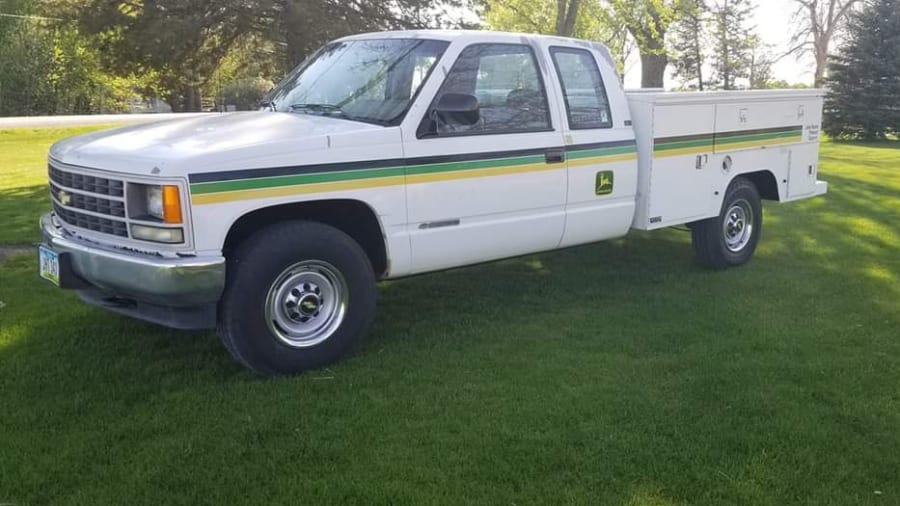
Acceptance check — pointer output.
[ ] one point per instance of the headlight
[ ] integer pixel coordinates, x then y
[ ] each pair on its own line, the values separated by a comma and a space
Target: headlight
164, 203
155, 202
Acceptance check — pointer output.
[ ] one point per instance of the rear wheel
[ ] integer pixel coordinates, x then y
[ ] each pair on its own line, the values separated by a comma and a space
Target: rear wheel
730, 239
299, 296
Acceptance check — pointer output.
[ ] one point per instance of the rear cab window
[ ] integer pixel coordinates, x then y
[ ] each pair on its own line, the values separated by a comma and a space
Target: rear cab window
587, 106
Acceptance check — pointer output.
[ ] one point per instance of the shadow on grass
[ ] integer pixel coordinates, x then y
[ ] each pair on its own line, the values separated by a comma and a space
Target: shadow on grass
20, 211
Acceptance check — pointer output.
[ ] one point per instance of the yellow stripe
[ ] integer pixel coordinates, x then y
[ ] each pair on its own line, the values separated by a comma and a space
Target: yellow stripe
756, 144
596, 160
726, 147
495, 171
301, 189
683, 151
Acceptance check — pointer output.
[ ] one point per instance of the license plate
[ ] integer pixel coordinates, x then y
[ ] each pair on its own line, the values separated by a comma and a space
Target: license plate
49, 261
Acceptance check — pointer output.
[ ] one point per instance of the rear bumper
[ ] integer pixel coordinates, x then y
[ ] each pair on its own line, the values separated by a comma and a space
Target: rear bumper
166, 282
821, 188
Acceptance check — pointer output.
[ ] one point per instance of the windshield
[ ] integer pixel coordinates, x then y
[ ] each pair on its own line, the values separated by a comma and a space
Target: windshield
374, 81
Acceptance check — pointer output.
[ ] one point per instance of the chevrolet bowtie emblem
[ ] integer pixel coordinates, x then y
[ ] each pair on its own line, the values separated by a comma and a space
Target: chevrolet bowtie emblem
64, 198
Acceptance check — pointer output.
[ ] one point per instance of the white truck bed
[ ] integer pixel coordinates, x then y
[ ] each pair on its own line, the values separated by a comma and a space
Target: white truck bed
690, 145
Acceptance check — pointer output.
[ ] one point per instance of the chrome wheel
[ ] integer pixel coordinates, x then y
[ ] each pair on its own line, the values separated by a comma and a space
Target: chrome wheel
307, 303
737, 227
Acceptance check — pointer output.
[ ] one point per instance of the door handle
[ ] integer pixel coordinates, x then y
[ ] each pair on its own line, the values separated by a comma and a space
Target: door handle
555, 156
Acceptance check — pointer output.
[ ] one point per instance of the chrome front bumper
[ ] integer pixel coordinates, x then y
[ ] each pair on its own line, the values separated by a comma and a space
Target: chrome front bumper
169, 282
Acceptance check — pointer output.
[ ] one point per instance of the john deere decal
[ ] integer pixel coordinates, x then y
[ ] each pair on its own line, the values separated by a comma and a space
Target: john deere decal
604, 183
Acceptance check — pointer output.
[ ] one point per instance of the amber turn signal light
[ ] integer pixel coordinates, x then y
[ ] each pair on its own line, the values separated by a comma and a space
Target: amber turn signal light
171, 204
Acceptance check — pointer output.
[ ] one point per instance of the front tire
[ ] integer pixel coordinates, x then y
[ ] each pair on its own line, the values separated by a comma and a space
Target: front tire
730, 239
299, 296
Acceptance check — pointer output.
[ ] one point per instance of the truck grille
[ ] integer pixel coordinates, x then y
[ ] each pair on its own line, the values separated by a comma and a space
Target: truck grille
90, 222
88, 202
93, 204
99, 185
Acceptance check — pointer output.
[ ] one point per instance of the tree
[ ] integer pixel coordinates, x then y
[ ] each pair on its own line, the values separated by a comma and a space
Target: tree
185, 41
817, 23
542, 16
688, 44
647, 21
529, 16
301, 26
761, 61
733, 41
863, 100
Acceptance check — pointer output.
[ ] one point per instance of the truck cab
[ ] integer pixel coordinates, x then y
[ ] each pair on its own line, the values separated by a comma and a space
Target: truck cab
390, 154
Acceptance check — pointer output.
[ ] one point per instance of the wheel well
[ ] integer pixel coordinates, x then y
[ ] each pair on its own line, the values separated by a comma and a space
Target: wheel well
353, 217
765, 183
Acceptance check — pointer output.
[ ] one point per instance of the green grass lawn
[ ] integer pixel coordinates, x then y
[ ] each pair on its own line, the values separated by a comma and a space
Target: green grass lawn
617, 373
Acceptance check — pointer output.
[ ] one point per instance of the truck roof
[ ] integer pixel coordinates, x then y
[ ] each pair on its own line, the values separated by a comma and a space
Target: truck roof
484, 35
473, 36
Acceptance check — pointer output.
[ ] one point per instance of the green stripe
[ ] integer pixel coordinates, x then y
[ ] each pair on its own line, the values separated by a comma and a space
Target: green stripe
683, 144
590, 153
762, 131
474, 164
728, 138
321, 177
757, 137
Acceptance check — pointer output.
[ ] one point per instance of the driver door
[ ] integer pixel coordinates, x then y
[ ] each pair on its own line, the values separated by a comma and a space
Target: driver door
492, 186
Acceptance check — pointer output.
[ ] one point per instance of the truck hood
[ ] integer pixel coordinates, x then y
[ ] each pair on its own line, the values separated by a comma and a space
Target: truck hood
216, 142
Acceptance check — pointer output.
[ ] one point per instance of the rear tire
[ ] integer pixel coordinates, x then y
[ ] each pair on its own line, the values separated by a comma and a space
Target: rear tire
730, 239
299, 296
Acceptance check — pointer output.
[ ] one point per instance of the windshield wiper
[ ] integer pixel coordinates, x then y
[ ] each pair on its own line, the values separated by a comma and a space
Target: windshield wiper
320, 109
335, 112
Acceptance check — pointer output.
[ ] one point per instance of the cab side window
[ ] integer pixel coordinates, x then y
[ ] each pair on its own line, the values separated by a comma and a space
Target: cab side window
502, 81
586, 102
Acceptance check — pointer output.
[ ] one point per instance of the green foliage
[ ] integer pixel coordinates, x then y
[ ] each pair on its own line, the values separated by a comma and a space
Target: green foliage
54, 70
185, 50
248, 67
607, 21
761, 61
648, 22
540, 16
781, 84
688, 44
733, 42
25, 64
246, 94
863, 100
737, 52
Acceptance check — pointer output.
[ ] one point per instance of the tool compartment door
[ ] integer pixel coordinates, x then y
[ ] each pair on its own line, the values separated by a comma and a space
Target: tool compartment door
680, 184
784, 132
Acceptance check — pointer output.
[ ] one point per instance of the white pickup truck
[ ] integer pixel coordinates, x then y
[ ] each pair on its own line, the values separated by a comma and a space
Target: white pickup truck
391, 154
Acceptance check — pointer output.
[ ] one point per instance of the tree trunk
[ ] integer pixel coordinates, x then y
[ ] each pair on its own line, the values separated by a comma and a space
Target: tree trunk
821, 63
566, 15
653, 70
698, 54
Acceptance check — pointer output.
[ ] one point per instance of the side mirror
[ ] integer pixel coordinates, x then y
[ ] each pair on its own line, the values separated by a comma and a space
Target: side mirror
458, 108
